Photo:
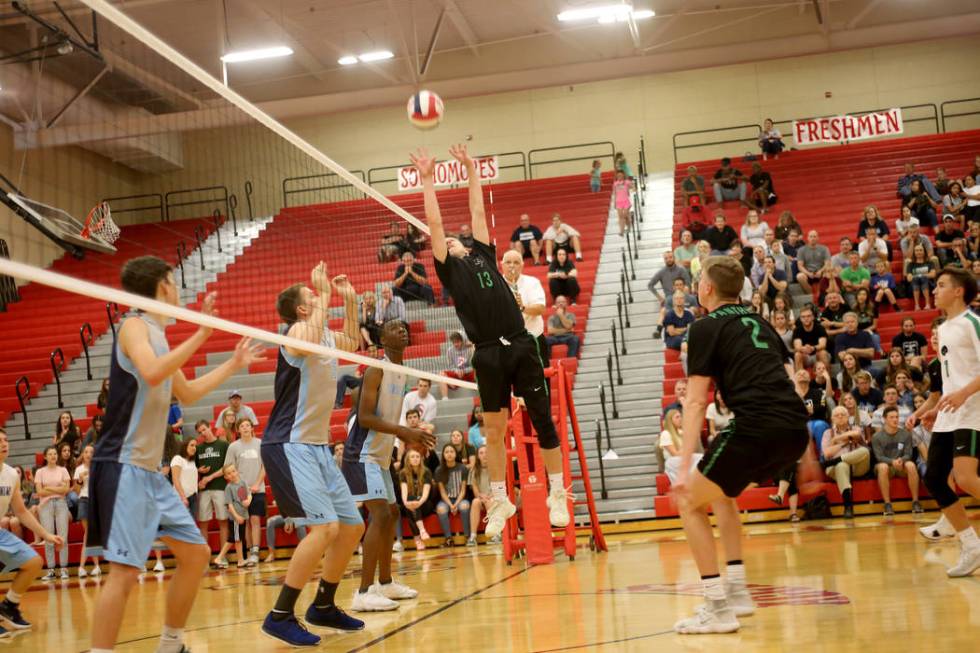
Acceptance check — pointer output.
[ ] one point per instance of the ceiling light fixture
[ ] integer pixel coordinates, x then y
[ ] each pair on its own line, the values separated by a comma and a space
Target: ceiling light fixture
378, 55
347, 60
257, 55
605, 14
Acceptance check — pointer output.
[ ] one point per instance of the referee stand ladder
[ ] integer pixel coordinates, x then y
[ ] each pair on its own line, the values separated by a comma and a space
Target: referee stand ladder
529, 531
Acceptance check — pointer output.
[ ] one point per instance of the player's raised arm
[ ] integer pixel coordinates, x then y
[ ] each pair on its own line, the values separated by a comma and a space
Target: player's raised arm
189, 392
437, 234
477, 213
350, 337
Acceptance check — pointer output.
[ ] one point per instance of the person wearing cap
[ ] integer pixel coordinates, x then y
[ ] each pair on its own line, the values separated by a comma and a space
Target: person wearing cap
238, 409
948, 239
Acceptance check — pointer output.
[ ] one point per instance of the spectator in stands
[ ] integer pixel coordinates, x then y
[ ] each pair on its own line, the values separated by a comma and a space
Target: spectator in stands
849, 368
763, 195
392, 244
912, 238
451, 479
477, 434
244, 455
81, 487
896, 363
66, 459
920, 272
687, 250
676, 321
53, 484
665, 279
782, 303
770, 140
93, 432
816, 401
209, 459
240, 410
809, 341
595, 176
773, 281
947, 239
791, 247
693, 186
889, 400
844, 455
756, 304
175, 417
729, 184
872, 249
465, 452
561, 236
775, 250
704, 251
621, 189
907, 392
561, 328
368, 320
183, 472
973, 242
563, 277
753, 231
680, 396
459, 355
867, 314
858, 343
954, 201
671, 439
287, 525
415, 482
911, 343
971, 190
883, 285
720, 236
103, 399
902, 224
842, 259
237, 506
781, 325
411, 283
857, 416
65, 430
225, 431
718, 415
416, 240
832, 317
854, 277
922, 206
867, 396
465, 236
894, 450
785, 224
529, 294
420, 400
942, 182
815, 266
621, 165
905, 184
526, 239
479, 482
872, 219
391, 307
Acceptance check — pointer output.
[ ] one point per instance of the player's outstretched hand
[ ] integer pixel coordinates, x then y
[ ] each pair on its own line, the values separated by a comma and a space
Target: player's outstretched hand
319, 279
248, 352
51, 538
417, 436
424, 163
343, 286
459, 153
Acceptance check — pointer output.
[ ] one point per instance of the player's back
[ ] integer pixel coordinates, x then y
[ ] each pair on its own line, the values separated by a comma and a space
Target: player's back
745, 357
304, 391
136, 414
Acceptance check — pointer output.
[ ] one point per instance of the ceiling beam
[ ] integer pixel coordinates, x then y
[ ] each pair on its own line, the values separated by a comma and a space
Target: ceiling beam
122, 65
716, 28
411, 62
663, 26
462, 26
263, 11
851, 24
77, 10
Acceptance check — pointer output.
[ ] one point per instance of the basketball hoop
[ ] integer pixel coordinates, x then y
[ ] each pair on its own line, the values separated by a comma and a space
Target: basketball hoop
99, 223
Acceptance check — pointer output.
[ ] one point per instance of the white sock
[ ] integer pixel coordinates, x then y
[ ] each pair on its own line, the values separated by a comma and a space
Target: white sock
735, 573
713, 588
13, 596
498, 489
171, 640
556, 481
968, 538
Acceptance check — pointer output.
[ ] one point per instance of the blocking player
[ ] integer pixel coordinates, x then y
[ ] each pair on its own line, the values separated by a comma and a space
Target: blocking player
305, 480
507, 357
15, 554
131, 503
750, 365
955, 444
371, 431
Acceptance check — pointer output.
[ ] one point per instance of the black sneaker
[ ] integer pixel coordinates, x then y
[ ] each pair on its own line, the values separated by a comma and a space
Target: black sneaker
848, 512
11, 616
332, 617
917, 507
889, 512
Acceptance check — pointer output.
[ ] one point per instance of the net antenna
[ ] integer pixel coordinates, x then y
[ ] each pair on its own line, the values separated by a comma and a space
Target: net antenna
136, 30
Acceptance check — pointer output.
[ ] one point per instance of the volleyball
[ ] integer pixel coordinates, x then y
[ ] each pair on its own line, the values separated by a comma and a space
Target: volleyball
425, 110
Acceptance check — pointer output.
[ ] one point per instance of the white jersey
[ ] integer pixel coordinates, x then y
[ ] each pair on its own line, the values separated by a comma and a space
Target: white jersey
8, 481
959, 357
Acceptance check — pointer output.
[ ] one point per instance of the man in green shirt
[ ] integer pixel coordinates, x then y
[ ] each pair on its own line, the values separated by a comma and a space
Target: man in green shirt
210, 460
854, 277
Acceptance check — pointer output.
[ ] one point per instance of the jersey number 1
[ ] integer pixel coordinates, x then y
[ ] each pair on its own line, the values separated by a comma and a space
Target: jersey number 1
486, 281
754, 325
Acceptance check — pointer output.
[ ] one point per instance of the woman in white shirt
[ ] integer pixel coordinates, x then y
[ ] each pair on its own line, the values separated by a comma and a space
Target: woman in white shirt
81, 487
184, 474
754, 230
670, 443
718, 416
971, 191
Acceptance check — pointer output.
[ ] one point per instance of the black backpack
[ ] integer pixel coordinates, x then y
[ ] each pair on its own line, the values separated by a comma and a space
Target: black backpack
817, 508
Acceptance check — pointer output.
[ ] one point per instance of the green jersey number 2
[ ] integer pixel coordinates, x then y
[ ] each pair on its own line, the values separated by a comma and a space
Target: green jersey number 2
486, 281
754, 325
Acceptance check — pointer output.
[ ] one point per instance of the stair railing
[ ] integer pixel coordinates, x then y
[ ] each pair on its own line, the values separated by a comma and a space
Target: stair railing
23, 389
57, 360
619, 315
8, 286
181, 255
112, 311
625, 287
248, 200
200, 237
88, 339
615, 352
623, 306
612, 386
232, 206
602, 471
216, 218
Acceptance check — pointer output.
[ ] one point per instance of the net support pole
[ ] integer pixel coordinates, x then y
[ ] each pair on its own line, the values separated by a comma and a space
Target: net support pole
127, 24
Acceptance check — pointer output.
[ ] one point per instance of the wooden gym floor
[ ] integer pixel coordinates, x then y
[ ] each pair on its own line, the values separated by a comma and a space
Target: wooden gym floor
820, 586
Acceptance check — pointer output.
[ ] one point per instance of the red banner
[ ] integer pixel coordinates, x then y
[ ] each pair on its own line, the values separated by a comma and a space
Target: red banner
837, 129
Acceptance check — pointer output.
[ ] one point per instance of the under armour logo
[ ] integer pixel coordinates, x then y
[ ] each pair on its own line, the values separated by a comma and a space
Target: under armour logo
122, 552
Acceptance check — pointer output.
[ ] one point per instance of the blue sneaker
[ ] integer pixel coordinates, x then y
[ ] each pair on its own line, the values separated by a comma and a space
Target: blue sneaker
332, 617
10, 615
289, 631
4, 633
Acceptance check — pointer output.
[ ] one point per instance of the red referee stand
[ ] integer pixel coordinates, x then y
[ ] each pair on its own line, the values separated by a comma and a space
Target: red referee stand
529, 530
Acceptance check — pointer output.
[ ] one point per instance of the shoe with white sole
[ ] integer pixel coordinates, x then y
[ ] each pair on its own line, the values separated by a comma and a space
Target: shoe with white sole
96, 571
497, 515
64, 574
372, 601
740, 601
397, 591
82, 573
708, 620
968, 563
398, 546
941, 530
48, 575
158, 567
558, 507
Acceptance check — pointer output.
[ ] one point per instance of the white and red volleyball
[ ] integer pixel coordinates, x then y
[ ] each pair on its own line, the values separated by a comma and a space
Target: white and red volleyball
425, 110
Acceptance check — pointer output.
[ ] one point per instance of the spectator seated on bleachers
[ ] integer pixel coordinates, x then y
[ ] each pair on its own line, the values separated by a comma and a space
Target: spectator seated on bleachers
680, 396
368, 320
391, 307
561, 325
914, 236
526, 239
676, 322
883, 286
791, 247
763, 194
949, 239
103, 399
717, 415
856, 416
693, 185
561, 236
896, 363
894, 451
815, 267
844, 455
411, 282
872, 249
704, 251
781, 303
905, 184
415, 489
65, 430
422, 401
93, 432
238, 409
720, 236
774, 248
393, 244
670, 442
459, 357
832, 318
857, 342
563, 277
781, 325
451, 481
954, 201
911, 343
785, 224
921, 204
920, 273
867, 396
809, 341
770, 140
686, 251
854, 276
973, 242
753, 231
476, 435
665, 278
729, 183
773, 280
872, 219
971, 190
889, 400
816, 401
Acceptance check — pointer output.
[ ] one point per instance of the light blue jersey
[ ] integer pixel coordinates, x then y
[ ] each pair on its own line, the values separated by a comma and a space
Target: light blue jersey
304, 392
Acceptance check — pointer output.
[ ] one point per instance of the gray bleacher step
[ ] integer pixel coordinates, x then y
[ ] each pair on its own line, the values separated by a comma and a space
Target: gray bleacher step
624, 515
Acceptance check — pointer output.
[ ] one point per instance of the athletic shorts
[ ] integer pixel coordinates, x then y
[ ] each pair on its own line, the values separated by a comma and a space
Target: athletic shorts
211, 505
502, 368
307, 484
739, 456
129, 507
966, 442
257, 507
236, 531
369, 481
14, 552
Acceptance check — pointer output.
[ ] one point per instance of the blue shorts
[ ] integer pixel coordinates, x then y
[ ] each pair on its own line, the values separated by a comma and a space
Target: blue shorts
14, 552
129, 507
369, 481
307, 484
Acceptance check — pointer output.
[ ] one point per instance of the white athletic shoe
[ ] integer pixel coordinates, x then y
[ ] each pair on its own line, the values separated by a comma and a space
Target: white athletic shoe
64, 574
96, 571
158, 567
558, 507
398, 546
497, 515
253, 559
397, 591
49, 575
708, 620
740, 601
372, 601
82, 573
941, 530
968, 563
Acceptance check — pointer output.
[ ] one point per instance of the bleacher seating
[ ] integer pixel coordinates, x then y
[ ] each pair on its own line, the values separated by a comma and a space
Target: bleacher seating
827, 189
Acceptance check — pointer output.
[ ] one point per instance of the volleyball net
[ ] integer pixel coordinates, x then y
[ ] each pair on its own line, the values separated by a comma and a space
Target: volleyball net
195, 172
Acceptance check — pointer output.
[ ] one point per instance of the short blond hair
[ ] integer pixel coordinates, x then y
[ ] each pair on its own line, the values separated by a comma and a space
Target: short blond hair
725, 274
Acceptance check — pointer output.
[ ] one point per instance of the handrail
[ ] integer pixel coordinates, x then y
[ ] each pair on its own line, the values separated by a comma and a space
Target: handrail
612, 386
755, 136
232, 205
943, 115
626, 313
625, 287
21, 398
222, 199
112, 311
628, 264
619, 314
200, 238
602, 403
181, 255
156, 206
286, 192
86, 343
216, 218
57, 370
615, 342
8, 285
602, 471
531, 162
248, 199
642, 163
373, 178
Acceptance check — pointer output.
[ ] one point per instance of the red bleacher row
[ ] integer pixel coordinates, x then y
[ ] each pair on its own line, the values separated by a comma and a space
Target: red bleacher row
827, 189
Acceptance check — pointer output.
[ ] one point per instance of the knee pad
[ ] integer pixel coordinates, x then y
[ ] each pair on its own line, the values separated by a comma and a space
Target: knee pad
939, 487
